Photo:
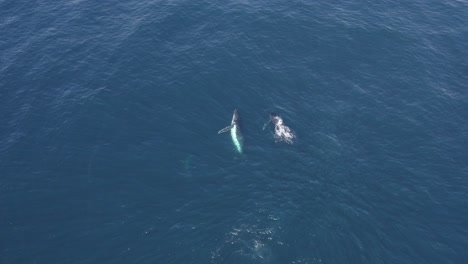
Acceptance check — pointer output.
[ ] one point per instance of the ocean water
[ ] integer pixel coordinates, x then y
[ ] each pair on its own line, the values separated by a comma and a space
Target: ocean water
109, 112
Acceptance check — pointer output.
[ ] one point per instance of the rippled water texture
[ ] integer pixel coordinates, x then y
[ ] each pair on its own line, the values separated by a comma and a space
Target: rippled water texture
109, 113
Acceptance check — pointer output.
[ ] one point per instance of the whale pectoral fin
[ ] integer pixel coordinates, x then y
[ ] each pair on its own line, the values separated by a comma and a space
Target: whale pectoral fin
266, 124
226, 129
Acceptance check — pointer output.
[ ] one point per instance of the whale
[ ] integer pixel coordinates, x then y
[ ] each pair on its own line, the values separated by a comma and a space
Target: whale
236, 134
282, 132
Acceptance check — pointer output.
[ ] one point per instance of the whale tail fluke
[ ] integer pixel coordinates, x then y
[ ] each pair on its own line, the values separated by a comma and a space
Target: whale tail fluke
226, 129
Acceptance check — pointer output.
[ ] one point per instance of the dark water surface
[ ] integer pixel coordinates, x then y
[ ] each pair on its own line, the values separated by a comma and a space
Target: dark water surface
109, 112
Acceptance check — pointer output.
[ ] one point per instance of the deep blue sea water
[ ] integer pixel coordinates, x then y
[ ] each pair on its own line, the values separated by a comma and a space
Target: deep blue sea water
109, 112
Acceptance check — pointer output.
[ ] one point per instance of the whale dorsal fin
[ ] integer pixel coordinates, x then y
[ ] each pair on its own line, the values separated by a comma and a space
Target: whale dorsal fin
226, 129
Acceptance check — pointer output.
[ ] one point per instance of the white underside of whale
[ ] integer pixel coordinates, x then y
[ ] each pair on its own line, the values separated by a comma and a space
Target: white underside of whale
236, 140
236, 135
